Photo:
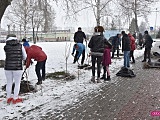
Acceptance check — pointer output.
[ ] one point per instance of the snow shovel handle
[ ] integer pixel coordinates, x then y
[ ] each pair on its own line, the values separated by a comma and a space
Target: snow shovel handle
76, 60
23, 74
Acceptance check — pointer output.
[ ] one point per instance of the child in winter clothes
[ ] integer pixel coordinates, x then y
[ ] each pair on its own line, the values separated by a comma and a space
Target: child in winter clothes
106, 61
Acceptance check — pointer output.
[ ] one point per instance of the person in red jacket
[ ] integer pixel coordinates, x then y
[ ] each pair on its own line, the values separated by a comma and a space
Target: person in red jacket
36, 53
132, 46
106, 61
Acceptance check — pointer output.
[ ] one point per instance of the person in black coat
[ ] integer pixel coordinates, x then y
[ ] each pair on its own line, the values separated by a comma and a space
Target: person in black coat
126, 49
116, 43
96, 45
79, 36
148, 45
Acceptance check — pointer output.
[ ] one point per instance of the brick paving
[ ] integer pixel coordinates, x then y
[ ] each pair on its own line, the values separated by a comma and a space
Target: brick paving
125, 99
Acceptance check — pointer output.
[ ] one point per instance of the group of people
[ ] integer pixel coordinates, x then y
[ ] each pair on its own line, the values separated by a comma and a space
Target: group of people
100, 49
16, 53
100, 52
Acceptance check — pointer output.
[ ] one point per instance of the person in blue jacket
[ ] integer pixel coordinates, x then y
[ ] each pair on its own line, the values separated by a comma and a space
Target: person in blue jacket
25, 43
80, 49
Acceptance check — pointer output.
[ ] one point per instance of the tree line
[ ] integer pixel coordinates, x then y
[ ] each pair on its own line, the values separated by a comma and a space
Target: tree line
39, 14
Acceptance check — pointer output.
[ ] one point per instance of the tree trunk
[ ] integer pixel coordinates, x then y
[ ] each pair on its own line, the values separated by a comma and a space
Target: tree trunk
98, 13
136, 21
3, 5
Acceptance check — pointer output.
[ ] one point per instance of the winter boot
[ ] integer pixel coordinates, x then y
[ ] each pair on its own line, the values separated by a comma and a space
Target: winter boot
9, 100
18, 100
98, 80
93, 79
39, 83
103, 77
108, 78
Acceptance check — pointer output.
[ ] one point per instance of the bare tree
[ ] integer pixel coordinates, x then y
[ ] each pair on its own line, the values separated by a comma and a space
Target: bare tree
137, 8
142, 27
3, 5
98, 7
31, 14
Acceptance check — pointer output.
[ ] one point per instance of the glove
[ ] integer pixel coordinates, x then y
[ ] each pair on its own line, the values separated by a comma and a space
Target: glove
72, 54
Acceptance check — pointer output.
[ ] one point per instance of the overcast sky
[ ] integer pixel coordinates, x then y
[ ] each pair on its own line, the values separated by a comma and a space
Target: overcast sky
86, 19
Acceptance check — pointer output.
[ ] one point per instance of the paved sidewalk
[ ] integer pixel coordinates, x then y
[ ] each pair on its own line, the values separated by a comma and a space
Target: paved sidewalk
125, 99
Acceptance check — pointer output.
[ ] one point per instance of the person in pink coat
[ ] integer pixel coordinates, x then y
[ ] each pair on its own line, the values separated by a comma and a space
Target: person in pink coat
106, 61
132, 46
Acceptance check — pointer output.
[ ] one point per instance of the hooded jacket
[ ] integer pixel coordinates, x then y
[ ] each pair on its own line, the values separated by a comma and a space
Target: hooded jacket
132, 42
106, 57
36, 53
15, 53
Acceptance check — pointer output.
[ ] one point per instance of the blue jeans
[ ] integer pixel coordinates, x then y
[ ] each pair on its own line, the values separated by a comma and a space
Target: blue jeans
126, 59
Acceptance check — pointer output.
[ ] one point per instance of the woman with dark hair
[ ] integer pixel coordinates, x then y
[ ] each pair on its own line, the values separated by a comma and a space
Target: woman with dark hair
96, 45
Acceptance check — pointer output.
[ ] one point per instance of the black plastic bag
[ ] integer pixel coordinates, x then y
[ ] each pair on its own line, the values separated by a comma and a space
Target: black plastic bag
125, 72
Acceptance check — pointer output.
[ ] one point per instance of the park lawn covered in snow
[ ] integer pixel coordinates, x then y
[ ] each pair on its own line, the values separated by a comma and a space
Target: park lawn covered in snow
53, 94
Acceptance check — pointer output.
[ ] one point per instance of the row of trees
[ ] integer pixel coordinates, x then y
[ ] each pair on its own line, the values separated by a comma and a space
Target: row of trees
31, 14
41, 14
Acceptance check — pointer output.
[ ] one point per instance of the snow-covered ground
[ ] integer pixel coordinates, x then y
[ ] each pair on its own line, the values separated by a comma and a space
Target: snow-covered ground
54, 94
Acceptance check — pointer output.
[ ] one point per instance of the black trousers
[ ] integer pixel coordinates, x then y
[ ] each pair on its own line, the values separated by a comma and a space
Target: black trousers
132, 55
83, 56
147, 54
113, 51
98, 60
40, 66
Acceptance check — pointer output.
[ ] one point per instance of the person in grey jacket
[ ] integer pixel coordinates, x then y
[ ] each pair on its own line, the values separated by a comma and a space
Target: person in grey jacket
96, 45
15, 54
